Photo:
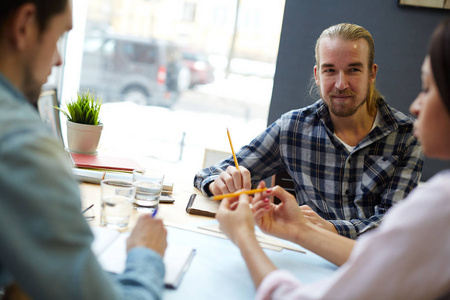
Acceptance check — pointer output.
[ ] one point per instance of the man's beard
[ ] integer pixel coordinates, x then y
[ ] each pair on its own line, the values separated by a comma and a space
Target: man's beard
344, 110
31, 88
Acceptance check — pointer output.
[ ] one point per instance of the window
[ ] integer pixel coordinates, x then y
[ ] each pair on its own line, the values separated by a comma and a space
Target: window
189, 12
167, 103
92, 45
140, 53
109, 48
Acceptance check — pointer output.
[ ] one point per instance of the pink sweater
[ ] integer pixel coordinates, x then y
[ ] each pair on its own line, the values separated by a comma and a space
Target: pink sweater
407, 257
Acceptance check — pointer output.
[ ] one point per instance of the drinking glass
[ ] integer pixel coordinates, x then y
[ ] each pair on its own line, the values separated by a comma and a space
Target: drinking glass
116, 202
149, 185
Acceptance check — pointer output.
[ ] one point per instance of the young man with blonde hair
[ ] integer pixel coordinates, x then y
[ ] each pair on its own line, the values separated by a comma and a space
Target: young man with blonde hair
350, 154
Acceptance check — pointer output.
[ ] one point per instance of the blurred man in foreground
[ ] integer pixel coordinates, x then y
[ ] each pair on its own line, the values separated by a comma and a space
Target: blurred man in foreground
46, 243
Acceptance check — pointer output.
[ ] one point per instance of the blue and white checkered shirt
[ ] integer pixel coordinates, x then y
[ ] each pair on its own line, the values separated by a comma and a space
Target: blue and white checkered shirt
353, 190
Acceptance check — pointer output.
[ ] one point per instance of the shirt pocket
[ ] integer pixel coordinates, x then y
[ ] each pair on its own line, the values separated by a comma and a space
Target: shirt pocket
378, 172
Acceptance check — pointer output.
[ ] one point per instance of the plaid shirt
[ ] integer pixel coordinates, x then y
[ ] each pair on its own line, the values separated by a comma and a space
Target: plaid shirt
353, 190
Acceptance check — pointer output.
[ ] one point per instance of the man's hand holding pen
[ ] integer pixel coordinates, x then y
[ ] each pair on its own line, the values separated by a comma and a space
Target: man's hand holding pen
87, 209
233, 179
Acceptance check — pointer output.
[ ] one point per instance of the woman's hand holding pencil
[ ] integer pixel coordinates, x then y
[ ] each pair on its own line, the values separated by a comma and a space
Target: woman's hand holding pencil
247, 192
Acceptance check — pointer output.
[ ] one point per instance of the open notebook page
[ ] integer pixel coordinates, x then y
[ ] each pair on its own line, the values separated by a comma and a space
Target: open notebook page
110, 247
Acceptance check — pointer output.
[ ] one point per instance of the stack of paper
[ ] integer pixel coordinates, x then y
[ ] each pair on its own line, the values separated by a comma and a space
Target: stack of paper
101, 162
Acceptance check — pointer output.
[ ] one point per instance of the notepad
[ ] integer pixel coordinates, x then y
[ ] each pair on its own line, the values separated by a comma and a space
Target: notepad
110, 248
202, 206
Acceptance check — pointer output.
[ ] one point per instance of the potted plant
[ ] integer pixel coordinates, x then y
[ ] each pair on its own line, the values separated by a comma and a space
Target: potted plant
83, 124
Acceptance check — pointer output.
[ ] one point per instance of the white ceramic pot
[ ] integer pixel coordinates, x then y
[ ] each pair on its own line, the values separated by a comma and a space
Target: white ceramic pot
83, 138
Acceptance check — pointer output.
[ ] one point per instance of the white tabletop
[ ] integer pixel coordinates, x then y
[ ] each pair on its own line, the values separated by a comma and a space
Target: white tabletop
219, 272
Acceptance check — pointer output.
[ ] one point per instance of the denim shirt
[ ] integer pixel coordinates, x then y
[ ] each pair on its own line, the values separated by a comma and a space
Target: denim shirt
353, 190
45, 241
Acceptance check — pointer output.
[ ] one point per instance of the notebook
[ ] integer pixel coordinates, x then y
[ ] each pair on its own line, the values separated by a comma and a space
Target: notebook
110, 248
202, 206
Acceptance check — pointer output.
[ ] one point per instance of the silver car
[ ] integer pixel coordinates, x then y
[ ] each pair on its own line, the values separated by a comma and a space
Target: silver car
145, 71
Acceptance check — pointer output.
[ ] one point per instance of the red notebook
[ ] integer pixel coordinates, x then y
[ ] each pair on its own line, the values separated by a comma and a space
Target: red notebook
104, 162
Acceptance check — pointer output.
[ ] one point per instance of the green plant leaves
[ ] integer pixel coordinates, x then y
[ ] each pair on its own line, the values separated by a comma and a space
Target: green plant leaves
85, 110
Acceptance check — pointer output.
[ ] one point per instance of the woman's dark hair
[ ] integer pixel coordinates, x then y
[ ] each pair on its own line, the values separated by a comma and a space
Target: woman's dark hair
439, 52
45, 9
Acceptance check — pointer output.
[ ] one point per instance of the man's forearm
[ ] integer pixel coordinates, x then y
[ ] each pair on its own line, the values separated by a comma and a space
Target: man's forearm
333, 247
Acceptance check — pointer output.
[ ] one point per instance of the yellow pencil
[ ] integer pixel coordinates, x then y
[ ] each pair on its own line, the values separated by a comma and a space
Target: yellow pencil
220, 197
232, 151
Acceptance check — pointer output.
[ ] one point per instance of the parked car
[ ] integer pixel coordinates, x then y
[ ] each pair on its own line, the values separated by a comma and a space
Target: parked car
201, 71
142, 70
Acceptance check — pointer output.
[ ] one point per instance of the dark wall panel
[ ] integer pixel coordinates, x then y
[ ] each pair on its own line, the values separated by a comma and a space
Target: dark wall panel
401, 36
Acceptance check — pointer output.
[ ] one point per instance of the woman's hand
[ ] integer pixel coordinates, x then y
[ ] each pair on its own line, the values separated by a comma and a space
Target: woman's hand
236, 219
237, 222
284, 220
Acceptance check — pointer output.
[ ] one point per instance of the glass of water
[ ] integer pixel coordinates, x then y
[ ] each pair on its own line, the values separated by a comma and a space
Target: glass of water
116, 203
149, 185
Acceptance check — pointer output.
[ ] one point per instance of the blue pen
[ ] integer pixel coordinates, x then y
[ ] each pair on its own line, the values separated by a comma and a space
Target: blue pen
154, 212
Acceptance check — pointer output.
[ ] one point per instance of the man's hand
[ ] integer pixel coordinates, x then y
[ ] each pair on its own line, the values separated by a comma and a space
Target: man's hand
314, 218
231, 181
149, 233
